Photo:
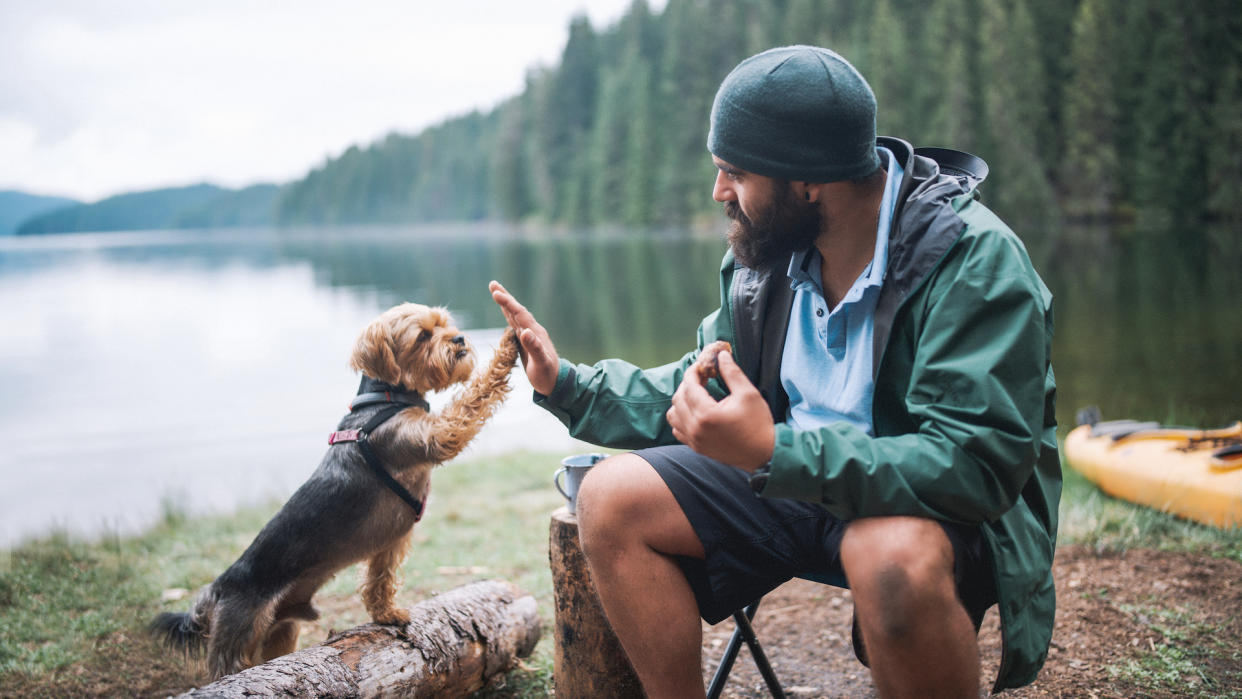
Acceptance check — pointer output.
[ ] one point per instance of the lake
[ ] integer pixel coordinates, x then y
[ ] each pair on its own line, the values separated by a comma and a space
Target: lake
204, 370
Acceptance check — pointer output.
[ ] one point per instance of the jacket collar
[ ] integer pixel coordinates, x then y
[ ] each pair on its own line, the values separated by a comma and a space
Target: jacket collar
924, 227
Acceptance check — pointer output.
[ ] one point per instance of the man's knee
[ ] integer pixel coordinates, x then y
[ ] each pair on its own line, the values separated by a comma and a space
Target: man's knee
899, 567
623, 501
604, 497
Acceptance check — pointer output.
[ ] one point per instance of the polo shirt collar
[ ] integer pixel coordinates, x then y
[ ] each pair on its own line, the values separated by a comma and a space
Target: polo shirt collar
802, 262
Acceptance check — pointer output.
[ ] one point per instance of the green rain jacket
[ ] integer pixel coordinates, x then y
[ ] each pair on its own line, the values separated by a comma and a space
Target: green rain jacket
963, 411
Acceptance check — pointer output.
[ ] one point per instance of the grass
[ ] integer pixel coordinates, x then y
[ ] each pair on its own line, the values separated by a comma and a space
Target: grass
1177, 662
72, 614
1189, 659
1089, 517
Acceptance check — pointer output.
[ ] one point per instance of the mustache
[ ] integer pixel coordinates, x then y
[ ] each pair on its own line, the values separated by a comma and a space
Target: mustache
734, 212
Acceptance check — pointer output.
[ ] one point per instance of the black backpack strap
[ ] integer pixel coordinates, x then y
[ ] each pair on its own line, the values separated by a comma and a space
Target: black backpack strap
377, 467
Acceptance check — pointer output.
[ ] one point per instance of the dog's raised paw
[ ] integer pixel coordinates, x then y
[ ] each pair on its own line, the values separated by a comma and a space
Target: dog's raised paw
508, 350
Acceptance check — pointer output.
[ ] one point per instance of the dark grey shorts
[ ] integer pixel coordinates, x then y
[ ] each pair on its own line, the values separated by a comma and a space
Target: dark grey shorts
754, 544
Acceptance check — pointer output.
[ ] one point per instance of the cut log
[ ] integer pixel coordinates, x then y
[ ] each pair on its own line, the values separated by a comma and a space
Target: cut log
589, 661
455, 643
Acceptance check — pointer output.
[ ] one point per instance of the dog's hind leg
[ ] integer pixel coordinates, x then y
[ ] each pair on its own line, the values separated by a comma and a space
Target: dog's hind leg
237, 634
379, 589
282, 638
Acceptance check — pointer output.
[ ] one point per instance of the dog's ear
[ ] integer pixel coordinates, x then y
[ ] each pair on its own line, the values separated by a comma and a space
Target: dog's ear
373, 354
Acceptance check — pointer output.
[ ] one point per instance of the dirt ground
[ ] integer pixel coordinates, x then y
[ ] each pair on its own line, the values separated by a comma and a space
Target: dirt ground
1136, 624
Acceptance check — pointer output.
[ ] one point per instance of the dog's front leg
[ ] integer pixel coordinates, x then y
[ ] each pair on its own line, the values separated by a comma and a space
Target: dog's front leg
452, 429
379, 590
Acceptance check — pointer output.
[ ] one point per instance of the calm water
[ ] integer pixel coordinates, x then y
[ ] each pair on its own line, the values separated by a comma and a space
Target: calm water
206, 369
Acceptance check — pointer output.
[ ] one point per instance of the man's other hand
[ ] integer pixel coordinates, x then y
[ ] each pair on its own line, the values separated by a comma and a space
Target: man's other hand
737, 430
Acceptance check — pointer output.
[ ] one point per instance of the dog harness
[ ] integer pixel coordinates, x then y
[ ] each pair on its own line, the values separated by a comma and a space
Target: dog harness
396, 398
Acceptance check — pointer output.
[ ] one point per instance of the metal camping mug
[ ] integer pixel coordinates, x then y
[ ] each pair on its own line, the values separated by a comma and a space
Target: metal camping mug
575, 469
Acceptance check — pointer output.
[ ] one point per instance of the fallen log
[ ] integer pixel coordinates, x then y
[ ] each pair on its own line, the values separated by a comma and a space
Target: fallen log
455, 643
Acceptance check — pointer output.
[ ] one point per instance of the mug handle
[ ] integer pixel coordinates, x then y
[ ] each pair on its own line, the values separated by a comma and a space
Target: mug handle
556, 481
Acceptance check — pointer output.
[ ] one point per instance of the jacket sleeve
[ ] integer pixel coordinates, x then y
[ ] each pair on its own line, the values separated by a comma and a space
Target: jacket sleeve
617, 404
975, 401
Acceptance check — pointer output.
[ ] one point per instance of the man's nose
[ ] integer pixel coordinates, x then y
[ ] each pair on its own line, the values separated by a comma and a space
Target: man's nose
721, 191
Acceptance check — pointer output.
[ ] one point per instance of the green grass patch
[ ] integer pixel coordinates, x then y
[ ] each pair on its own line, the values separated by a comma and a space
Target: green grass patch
1104, 523
73, 614
1190, 659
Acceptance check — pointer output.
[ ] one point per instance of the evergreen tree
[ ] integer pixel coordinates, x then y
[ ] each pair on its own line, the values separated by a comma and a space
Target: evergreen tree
1171, 163
1089, 172
510, 166
687, 83
565, 120
954, 117
1053, 31
1121, 103
803, 21
887, 70
1013, 110
640, 155
1224, 166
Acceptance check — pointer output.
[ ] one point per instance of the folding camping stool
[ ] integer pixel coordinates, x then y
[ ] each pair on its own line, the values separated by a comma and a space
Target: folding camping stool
743, 632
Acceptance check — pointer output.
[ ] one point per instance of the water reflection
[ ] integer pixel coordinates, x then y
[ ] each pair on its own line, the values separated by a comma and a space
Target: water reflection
207, 367
636, 295
1149, 328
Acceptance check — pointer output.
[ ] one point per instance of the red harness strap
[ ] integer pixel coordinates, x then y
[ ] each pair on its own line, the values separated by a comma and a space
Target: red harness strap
343, 436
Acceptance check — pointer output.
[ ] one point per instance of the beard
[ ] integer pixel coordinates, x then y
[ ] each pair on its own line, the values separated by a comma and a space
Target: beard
785, 226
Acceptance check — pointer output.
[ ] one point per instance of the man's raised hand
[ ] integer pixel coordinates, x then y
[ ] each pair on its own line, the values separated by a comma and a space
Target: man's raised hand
539, 357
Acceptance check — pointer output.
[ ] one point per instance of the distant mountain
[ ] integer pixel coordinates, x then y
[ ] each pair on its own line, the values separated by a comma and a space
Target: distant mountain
196, 206
16, 207
252, 206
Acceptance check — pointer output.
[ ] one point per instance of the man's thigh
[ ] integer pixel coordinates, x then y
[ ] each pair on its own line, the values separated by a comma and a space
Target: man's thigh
753, 544
750, 544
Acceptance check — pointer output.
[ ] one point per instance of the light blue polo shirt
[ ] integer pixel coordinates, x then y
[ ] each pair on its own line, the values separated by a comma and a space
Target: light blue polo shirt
826, 367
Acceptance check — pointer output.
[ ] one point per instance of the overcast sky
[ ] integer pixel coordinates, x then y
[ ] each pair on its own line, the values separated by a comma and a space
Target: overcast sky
99, 98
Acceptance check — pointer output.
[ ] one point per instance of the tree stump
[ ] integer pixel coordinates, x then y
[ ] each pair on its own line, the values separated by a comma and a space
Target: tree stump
589, 661
455, 643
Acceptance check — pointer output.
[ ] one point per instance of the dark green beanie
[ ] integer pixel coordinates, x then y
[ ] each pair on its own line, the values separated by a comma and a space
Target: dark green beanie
798, 113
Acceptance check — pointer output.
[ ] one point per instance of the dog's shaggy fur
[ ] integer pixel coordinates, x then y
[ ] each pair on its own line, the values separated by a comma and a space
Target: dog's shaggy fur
344, 514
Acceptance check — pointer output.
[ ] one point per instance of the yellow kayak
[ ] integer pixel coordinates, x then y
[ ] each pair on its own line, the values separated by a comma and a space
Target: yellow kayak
1196, 474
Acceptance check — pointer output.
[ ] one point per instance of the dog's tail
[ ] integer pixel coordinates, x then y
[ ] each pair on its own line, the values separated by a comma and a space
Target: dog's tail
185, 632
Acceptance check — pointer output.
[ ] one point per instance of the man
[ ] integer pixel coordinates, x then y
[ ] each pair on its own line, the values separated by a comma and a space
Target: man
886, 418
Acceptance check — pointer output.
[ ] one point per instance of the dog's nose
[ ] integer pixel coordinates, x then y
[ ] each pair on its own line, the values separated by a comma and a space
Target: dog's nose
459, 340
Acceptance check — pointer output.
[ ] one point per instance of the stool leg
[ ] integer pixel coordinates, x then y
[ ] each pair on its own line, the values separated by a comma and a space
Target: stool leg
730, 655
743, 631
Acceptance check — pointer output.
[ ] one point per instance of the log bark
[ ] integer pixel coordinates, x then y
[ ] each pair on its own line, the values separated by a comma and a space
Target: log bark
589, 661
455, 643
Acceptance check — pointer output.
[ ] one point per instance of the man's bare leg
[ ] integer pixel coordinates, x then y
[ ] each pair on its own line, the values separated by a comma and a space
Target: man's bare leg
631, 527
920, 640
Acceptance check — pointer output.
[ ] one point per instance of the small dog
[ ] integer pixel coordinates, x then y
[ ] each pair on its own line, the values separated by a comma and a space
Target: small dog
348, 511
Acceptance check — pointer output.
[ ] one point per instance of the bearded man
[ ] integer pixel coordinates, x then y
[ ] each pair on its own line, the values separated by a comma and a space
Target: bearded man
885, 421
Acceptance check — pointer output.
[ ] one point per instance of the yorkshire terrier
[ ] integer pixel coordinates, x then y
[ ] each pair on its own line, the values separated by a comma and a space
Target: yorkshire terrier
362, 502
